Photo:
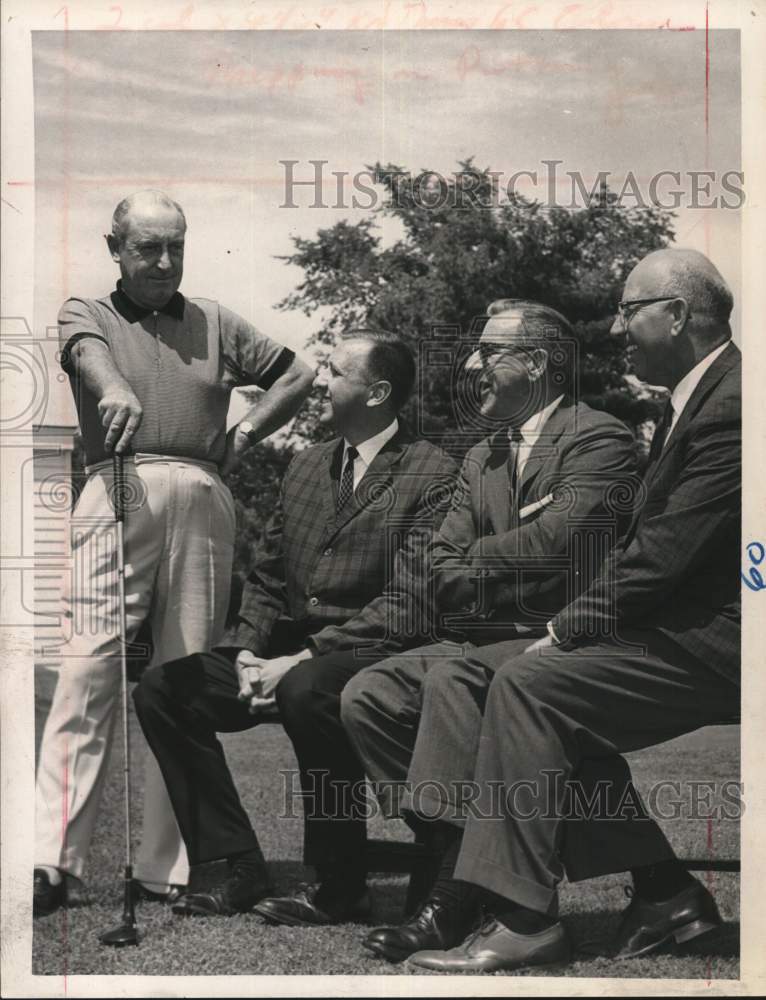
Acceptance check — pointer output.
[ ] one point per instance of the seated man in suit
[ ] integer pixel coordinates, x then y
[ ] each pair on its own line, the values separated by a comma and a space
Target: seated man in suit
648, 652
353, 516
525, 496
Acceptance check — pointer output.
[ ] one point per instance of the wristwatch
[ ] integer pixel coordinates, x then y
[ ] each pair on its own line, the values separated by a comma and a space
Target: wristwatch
248, 430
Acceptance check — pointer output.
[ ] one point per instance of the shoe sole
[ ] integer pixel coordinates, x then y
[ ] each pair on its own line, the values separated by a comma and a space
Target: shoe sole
292, 920
198, 911
287, 920
557, 965
191, 910
681, 935
379, 951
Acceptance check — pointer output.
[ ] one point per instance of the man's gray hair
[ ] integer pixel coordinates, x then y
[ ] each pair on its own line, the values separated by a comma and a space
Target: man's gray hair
151, 197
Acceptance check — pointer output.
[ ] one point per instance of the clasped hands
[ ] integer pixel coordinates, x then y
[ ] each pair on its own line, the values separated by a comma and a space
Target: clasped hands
258, 678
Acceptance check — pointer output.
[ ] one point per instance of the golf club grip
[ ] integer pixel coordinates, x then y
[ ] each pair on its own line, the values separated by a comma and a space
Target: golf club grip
119, 487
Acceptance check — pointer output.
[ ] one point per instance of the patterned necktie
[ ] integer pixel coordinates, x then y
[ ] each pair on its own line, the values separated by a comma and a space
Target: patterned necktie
514, 443
346, 488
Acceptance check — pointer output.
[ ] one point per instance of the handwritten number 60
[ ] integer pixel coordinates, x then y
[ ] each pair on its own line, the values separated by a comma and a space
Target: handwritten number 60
757, 553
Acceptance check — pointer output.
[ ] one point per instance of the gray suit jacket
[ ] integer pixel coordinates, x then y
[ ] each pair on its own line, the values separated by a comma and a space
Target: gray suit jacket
496, 568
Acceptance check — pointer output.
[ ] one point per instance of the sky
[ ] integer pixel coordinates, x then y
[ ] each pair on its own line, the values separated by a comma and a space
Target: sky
208, 116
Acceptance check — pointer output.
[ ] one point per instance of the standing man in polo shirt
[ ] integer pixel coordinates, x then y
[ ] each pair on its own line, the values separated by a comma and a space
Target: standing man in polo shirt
151, 373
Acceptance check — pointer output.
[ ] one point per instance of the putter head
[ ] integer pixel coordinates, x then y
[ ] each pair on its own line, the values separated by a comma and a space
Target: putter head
120, 936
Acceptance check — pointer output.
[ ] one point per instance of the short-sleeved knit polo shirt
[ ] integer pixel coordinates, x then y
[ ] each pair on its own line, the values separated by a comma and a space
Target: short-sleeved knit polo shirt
181, 361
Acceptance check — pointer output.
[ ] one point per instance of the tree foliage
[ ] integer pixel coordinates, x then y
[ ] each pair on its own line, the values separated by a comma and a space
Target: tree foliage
459, 247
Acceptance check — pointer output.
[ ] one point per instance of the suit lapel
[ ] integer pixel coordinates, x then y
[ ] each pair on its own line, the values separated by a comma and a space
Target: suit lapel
329, 481
712, 376
378, 475
726, 360
496, 484
546, 444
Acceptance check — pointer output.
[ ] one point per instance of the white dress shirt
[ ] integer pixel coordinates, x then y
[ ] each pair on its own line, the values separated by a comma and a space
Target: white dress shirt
531, 430
367, 450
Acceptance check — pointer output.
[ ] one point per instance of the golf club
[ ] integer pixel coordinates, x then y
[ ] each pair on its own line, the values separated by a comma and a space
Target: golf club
127, 932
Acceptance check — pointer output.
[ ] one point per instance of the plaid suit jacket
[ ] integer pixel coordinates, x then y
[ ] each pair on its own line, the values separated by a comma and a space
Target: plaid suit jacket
678, 567
354, 578
497, 568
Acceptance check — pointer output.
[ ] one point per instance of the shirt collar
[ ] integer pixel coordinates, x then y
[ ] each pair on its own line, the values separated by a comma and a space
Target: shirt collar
683, 391
367, 450
532, 427
134, 313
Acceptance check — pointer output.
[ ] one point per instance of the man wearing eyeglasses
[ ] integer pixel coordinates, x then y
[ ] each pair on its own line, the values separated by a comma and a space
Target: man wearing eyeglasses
649, 651
534, 514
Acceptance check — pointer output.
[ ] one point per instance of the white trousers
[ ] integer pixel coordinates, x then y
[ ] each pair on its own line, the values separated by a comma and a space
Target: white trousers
179, 536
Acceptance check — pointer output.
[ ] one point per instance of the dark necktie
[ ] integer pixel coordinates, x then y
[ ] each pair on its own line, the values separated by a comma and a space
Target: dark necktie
514, 443
346, 488
655, 450
660, 433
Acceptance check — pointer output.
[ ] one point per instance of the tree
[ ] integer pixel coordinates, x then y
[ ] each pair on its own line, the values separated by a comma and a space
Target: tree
255, 485
461, 246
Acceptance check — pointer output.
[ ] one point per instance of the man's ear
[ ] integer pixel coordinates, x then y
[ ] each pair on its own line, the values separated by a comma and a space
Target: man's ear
680, 312
114, 247
538, 358
378, 392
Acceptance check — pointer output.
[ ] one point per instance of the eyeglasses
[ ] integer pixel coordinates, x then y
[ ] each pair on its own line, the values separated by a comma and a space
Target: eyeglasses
490, 353
626, 310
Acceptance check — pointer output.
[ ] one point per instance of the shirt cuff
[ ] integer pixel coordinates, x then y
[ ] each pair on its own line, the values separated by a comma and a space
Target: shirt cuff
244, 636
552, 633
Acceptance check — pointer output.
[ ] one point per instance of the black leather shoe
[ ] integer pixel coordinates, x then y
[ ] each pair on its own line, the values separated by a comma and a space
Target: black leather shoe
143, 895
75, 893
436, 925
301, 910
238, 894
645, 927
495, 948
46, 898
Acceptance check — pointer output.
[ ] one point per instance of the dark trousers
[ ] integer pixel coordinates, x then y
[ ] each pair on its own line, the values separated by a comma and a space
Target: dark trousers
556, 716
182, 705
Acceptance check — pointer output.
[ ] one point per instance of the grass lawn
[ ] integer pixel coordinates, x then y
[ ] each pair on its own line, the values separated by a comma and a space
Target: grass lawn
66, 943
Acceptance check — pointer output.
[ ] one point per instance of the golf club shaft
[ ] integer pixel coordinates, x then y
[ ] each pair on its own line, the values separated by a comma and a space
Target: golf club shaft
119, 513
127, 932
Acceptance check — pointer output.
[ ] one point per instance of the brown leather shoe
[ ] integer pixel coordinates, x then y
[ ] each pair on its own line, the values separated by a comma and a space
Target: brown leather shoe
645, 927
495, 948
